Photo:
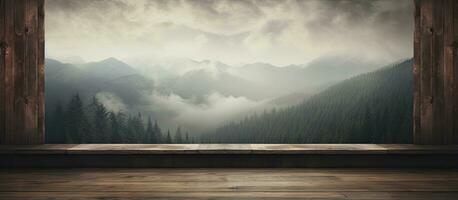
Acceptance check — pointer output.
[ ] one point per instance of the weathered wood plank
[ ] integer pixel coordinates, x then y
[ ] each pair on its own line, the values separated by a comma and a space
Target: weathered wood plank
31, 69
426, 70
228, 184
19, 72
2, 68
41, 73
236, 195
435, 71
9, 71
437, 83
417, 73
22, 101
449, 89
455, 71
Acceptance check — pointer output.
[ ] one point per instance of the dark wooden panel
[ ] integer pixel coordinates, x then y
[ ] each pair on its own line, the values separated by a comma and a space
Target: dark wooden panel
417, 74
9, 71
449, 89
454, 45
435, 71
22, 72
437, 75
2, 69
228, 155
19, 74
41, 73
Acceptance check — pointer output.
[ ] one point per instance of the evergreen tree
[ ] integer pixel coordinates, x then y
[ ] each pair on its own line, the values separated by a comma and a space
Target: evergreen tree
115, 129
150, 134
367, 129
56, 133
139, 129
158, 132
168, 139
101, 124
131, 134
121, 118
76, 122
178, 136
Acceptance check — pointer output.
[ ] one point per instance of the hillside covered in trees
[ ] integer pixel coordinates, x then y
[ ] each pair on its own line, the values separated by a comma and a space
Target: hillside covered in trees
77, 123
374, 107
371, 108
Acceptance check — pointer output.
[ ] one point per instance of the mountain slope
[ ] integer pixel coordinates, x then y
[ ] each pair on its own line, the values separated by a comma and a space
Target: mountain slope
110, 75
108, 69
369, 108
309, 78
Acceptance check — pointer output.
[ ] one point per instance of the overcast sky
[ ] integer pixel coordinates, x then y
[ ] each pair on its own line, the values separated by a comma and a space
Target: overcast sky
280, 32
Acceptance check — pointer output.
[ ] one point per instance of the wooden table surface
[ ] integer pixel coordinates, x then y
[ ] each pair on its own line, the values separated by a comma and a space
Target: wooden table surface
228, 184
118, 149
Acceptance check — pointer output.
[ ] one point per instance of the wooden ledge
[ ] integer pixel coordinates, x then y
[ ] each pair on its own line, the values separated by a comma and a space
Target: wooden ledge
228, 155
119, 149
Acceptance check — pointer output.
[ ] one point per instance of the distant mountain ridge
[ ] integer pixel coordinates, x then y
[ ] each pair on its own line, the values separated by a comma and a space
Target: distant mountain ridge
110, 75
109, 68
259, 81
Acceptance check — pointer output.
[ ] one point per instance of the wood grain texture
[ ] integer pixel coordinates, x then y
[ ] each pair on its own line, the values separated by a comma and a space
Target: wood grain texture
2, 69
435, 71
417, 73
22, 72
228, 184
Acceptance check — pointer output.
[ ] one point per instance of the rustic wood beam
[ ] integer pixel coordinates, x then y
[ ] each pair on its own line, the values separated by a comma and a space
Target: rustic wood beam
436, 72
21, 71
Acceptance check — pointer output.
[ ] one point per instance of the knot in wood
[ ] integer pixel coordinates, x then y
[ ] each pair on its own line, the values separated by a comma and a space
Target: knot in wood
27, 30
3, 48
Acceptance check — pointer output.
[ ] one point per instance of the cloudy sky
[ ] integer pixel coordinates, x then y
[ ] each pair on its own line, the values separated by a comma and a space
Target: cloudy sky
280, 32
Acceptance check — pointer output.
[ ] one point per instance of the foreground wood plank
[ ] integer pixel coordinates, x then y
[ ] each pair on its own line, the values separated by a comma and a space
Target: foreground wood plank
228, 184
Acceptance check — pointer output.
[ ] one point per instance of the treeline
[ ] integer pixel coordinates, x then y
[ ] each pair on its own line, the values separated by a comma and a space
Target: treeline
370, 108
77, 123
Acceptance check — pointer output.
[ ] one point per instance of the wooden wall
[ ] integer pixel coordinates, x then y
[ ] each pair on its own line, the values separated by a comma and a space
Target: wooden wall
21, 71
436, 72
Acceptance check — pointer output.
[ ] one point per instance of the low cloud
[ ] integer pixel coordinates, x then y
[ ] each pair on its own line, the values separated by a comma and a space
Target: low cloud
200, 115
111, 101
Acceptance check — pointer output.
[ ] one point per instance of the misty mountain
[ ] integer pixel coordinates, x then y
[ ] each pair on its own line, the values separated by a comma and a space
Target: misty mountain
308, 78
371, 108
110, 75
108, 69
259, 81
336, 68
